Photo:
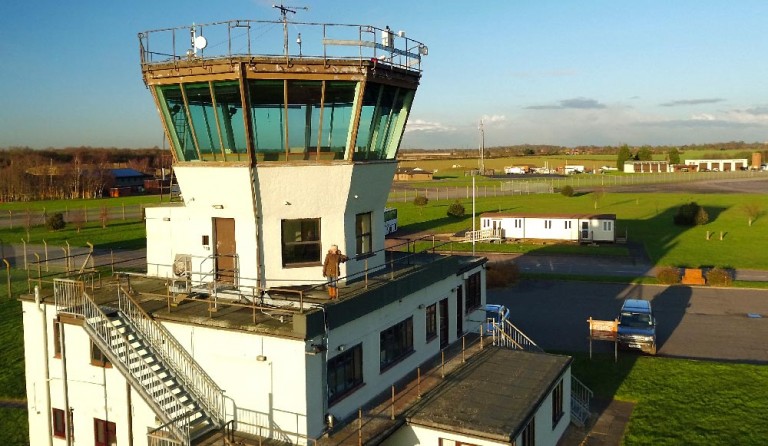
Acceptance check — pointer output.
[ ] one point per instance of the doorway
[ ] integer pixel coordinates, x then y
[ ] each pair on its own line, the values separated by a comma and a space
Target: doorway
225, 250
443, 323
459, 311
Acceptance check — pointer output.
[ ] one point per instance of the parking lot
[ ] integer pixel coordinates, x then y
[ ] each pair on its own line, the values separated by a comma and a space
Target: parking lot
692, 322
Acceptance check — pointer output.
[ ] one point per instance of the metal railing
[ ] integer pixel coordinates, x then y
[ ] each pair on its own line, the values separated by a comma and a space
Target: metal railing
484, 234
186, 369
581, 396
237, 38
507, 335
164, 435
68, 295
125, 356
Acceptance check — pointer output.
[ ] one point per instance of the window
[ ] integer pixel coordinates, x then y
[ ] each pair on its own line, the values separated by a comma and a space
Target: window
607, 226
59, 423
557, 403
56, 339
431, 315
301, 241
567, 224
363, 233
396, 342
472, 286
104, 432
528, 436
518, 222
345, 373
547, 224
98, 358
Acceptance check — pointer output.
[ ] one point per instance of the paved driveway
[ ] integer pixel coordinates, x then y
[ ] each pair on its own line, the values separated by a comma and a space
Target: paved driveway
693, 322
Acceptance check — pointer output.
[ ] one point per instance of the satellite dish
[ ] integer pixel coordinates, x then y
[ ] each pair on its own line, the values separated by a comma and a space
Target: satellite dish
201, 42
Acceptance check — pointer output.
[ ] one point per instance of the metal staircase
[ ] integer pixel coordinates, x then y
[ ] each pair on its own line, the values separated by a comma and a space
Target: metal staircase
182, 395
508, 336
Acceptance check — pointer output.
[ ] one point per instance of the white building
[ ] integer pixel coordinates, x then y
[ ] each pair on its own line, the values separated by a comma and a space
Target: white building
567, 227
230, 330
724, 165
647, 167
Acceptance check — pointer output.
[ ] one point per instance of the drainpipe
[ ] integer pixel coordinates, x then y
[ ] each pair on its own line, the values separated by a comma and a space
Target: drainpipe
67, 411
44, 319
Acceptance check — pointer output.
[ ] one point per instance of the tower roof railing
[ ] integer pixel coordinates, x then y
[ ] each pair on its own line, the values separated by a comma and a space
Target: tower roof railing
293, 41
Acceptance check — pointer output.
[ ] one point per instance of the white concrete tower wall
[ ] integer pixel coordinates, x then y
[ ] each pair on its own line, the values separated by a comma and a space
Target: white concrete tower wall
334, 194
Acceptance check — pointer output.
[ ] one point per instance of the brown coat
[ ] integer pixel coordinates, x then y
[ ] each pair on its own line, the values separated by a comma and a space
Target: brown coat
332, 262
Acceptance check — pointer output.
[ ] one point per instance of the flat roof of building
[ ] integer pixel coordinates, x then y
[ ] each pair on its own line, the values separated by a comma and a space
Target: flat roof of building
547, 215
492, 397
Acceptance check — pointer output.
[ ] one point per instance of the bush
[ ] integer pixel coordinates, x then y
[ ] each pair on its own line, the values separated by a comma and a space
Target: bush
55, 222
420, 200
456, 210
567, 191
501, 274
719, 277
668, 275
691, 214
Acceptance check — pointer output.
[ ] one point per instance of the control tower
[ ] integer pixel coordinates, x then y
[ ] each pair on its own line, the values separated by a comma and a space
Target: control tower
284, 137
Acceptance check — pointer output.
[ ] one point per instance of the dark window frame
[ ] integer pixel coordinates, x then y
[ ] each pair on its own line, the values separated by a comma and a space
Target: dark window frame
361, 237
98, 358
395, 343
558, 409
104, 432
57, 327
472, 293
59, 423
430, 315
309, 228
350, 365
528, 436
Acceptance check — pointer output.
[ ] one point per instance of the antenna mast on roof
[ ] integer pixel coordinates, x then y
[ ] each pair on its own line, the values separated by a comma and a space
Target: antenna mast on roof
284, 10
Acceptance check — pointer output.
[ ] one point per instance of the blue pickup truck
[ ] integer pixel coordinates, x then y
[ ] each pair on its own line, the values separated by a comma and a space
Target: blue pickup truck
637, 326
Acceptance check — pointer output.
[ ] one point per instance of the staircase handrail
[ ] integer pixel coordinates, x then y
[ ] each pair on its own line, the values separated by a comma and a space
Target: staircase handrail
580, 391
109, 334
519, 337
159, 435
189, 371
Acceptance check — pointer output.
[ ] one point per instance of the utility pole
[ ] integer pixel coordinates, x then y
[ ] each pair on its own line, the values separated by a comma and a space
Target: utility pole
284, 10
482, 148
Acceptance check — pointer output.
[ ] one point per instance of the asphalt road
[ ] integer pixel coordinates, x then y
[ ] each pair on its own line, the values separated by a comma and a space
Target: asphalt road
692, 322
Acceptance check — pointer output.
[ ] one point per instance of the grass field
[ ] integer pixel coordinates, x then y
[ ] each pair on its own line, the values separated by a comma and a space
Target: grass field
644, 218
682, 401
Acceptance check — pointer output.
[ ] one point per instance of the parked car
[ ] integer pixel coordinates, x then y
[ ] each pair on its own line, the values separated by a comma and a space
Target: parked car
495, 315
637, 326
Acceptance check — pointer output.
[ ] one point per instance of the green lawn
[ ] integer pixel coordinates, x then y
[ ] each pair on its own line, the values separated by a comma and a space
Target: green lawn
77, 203
682, 401
119, 234
644, 218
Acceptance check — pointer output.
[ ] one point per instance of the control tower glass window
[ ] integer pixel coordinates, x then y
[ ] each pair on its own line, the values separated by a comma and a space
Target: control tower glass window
267, 118
205, 120
382, 120
176, 120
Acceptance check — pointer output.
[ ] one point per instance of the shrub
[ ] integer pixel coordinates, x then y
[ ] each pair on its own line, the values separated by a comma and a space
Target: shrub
55, 222
567, 191
668, 275
719, 277
456, 210
501, 274
691, 214
420, 200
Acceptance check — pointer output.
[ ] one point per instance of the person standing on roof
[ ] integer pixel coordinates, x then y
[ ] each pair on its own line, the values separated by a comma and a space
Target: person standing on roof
331, 268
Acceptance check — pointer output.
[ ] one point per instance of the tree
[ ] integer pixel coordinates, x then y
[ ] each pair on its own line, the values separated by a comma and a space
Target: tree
673, 156
55, 222
598, 195
78, 219
691, 214
753, 210
420, 201
567, 191
623, 156
456, 210
644, 154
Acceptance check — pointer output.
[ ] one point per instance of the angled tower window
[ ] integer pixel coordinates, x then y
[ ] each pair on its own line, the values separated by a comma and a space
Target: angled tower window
304, 104
174, 112
337, 118
203, 120
267, 118
229, 113
382, 121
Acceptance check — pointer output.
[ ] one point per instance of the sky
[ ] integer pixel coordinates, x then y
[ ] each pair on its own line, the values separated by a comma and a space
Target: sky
567, 73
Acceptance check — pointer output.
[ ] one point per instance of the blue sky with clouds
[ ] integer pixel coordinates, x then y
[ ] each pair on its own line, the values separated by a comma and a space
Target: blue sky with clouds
536, 71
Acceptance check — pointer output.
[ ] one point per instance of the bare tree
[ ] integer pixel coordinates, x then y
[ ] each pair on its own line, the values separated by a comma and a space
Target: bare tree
598, 195
103, 216
753, 210
78, 220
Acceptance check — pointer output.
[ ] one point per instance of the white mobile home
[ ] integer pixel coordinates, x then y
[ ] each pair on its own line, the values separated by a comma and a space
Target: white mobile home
566, 227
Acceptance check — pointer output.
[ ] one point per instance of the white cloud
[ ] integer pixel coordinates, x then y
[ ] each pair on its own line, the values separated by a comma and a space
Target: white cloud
420, 125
